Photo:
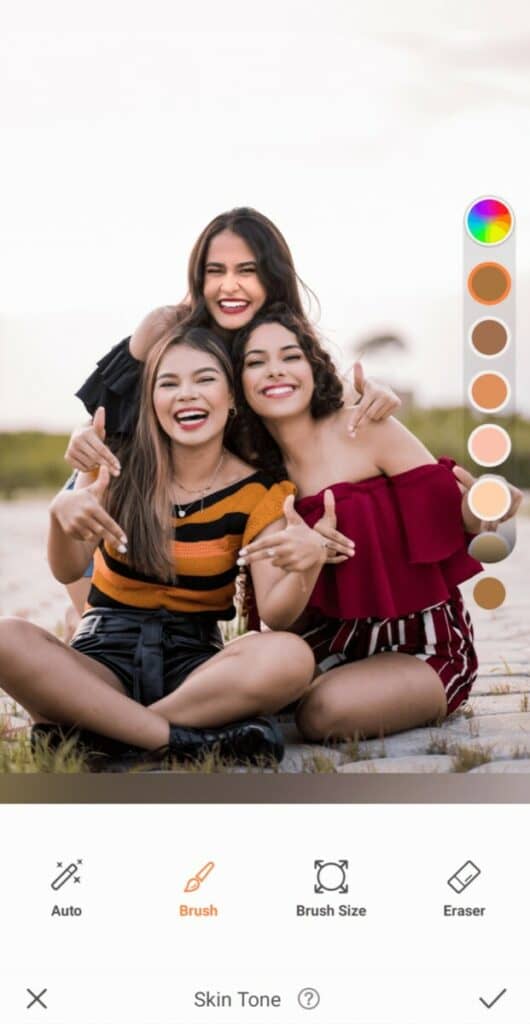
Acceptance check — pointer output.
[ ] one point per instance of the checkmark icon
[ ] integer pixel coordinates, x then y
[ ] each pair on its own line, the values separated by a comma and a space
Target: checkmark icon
493, 1001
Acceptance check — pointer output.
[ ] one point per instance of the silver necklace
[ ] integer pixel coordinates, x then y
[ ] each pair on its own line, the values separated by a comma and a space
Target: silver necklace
181, 512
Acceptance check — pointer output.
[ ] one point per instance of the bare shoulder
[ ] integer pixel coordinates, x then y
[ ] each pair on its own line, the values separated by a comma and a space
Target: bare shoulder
393, 447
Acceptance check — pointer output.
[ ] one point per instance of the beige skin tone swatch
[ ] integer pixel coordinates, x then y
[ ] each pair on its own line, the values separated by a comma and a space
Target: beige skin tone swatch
489, 499
489, 445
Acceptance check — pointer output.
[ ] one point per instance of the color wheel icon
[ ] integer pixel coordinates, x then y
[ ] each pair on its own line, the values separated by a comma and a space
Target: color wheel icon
489, 221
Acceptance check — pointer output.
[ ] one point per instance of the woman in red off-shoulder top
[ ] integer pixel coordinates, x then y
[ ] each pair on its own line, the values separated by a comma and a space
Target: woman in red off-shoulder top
386, 620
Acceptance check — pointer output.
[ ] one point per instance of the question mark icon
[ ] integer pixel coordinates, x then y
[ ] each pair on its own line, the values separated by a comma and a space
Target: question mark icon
308, 998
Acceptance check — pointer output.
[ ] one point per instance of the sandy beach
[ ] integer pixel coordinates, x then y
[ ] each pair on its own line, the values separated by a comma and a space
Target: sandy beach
27, 587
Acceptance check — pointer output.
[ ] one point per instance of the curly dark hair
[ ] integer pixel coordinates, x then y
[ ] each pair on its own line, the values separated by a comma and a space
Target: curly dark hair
256, 444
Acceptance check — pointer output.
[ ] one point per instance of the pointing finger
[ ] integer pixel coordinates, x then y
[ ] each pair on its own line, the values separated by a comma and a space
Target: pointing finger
358, 378
290, 512
102, 455
99, 422
100, 485
463, 477
329, 507
360, 414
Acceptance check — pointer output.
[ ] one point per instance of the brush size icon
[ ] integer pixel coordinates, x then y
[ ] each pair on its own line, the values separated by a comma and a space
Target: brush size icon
465, 875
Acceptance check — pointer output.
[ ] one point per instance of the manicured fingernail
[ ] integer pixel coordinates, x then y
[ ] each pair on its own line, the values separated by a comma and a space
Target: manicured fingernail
241, 561
243, 551
122, 548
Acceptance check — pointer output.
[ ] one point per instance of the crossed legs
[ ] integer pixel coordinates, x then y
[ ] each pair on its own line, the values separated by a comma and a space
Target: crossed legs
252, 676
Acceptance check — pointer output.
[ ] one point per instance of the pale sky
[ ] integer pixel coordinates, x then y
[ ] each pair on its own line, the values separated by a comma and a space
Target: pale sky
363, 135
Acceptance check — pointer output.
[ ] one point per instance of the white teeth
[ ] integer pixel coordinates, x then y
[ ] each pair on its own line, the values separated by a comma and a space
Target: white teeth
186, 417
282, 390
227, 304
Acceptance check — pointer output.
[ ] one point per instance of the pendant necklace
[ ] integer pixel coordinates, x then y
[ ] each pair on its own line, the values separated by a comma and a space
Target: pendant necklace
181, 512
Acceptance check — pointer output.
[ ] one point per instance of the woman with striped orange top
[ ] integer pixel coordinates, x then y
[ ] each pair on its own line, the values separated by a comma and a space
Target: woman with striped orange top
146, 666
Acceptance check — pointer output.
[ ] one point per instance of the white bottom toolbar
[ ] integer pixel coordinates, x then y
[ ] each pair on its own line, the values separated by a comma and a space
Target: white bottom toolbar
306, 997
264, 914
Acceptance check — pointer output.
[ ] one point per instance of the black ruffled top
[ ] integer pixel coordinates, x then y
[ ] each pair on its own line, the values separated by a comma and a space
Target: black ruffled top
115, 384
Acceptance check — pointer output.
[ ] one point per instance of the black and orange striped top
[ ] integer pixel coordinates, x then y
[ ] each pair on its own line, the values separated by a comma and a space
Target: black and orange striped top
205, 546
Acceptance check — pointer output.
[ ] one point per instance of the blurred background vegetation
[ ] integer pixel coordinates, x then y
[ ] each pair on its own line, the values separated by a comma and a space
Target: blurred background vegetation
31, 461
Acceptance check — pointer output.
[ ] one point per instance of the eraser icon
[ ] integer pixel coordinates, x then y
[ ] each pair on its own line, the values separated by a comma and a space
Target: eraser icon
465, 875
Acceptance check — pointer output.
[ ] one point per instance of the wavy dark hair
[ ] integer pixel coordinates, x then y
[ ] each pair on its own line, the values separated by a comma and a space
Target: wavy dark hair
257, 446
140, 498
275, 269
274, 262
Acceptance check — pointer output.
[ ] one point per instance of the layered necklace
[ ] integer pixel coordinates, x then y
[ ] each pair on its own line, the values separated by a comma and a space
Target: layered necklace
202, 491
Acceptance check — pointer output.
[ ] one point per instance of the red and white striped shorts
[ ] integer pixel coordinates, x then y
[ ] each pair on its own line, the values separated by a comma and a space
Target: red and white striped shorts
442, 636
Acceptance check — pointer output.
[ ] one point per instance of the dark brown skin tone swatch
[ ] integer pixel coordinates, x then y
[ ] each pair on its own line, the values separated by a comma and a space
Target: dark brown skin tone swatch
489, 337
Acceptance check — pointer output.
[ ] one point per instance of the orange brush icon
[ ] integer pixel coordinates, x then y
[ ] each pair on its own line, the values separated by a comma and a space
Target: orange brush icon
196, 881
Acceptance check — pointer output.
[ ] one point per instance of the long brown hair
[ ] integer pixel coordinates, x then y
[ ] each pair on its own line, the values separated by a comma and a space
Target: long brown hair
140, 498
275, 267
274, 262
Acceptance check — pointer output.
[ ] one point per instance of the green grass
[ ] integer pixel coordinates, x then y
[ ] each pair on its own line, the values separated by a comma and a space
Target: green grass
445, 432
466, 758
34, 461
16, 756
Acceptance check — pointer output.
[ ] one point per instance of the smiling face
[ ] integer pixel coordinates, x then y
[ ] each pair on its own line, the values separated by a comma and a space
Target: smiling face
232, 290
191, 395
277, 378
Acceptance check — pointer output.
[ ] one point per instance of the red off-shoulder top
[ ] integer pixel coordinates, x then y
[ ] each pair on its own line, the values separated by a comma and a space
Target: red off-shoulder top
410, 544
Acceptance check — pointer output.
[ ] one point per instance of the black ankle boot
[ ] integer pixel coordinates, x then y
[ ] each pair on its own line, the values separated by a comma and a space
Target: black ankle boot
252, 741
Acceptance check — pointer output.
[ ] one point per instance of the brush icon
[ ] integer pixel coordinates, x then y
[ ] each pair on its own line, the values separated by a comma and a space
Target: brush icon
196, 881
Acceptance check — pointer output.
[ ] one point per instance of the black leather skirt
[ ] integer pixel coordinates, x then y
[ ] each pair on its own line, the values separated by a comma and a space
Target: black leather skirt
151, 652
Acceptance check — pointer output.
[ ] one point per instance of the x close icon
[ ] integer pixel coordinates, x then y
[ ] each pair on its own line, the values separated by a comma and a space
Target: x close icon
37, 1000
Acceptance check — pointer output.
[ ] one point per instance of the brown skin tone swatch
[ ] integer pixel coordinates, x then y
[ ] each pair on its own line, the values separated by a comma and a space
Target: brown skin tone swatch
489, 283
489, 338
489, 593
489, 391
